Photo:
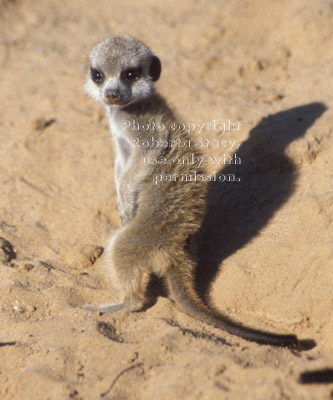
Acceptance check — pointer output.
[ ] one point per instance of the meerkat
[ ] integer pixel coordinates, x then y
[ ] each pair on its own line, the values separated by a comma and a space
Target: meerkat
158, 219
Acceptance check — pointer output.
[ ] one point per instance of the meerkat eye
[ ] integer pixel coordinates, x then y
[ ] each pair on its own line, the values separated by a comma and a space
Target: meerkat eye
96, 76
131, 75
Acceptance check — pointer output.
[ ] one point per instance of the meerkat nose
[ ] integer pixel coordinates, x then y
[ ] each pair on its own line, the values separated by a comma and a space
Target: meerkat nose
112, 95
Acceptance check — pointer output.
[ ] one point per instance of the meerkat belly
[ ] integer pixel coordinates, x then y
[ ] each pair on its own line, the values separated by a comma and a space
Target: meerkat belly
123, 147
124, 154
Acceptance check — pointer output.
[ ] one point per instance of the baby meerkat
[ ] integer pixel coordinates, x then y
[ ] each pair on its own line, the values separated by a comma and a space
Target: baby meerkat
159, 216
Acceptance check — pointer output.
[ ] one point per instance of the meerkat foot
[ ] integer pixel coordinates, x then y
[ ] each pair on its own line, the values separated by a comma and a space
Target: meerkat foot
126, 306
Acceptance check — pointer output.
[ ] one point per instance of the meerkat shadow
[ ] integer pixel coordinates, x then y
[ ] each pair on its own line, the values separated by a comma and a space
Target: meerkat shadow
237, 211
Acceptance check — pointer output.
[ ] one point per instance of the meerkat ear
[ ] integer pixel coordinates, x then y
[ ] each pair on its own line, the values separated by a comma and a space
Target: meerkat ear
155, 68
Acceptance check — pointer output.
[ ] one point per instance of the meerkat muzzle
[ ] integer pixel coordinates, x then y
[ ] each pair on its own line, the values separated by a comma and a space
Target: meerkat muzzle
112, 97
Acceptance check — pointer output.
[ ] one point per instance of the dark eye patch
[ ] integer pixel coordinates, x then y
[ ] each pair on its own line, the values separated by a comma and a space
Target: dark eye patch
96, 75
131, 74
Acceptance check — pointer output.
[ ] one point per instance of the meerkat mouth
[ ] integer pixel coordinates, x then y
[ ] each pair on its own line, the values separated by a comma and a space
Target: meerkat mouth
114, 99
116, 102
113, 102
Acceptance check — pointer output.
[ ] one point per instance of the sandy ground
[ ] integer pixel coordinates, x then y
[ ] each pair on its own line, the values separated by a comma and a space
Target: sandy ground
266, 246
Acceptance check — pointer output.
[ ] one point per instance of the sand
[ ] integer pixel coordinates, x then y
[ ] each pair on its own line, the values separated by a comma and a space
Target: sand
266, 246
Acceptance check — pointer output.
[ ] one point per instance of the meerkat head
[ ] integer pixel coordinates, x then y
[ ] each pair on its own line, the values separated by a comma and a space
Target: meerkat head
121, 71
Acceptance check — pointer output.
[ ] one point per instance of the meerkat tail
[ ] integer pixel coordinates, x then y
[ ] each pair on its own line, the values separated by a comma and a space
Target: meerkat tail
182, 289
